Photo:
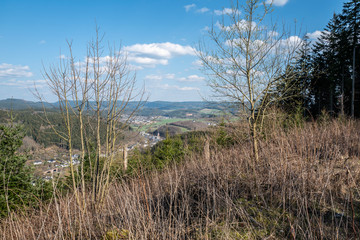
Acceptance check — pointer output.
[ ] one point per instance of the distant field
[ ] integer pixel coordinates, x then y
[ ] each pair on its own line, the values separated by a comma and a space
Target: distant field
211, 111
190, 125
159, 123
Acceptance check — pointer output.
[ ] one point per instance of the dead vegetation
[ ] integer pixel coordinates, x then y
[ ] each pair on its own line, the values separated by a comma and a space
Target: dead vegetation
305, 186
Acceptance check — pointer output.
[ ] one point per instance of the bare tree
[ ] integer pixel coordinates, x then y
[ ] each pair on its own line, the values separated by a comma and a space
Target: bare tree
94, 93
245, 56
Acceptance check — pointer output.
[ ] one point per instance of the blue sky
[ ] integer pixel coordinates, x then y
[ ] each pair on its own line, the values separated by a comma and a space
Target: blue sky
159, 36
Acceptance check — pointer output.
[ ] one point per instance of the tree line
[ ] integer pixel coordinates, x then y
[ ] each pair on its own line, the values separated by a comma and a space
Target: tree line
327, 69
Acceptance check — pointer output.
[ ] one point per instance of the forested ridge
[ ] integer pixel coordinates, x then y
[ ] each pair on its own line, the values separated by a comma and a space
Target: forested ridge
39, 126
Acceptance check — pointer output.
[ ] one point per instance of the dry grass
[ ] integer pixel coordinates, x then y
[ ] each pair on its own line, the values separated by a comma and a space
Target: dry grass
305, 187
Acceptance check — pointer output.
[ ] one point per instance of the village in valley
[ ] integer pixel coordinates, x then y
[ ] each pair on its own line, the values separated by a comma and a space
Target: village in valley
145, 132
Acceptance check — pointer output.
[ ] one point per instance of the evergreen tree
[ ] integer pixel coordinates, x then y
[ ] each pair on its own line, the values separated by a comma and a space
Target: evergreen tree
18, 187
326, 72
351, 19
331, 66
168, 151
323, 82
293, 92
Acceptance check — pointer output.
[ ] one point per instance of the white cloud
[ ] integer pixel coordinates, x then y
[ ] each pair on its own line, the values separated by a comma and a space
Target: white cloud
203, 10
190, 6
14, 71
169, 76
273, 34
278, 3
160, 50
24, 83
226, 11
233, 42
151, 62
292, 41
289, 45
197, 63
241, 25
153, 54
199, 10
205, 29
134, 67
315, 35
154, 77
168, 87
160, 77
191, 78
187, 88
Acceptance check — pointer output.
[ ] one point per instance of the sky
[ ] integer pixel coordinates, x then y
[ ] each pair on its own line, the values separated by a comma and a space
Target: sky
159, 37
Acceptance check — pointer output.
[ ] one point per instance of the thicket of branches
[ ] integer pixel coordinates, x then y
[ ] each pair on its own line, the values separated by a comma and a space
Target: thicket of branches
306, 188
245, 58
93, 94
19, 188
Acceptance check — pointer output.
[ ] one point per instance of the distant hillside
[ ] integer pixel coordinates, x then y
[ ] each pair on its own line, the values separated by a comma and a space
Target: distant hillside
163, 105
19, 104
157, 107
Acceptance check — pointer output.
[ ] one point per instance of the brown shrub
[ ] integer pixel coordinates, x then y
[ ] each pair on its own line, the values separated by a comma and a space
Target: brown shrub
304, 187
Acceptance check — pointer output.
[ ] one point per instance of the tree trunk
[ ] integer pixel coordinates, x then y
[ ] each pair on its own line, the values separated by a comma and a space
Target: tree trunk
207, 150
125, 154
253, 129
342, 111
255, 143
353, 87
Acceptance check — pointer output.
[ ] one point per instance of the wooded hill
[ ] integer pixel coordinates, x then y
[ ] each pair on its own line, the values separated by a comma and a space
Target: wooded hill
159, 107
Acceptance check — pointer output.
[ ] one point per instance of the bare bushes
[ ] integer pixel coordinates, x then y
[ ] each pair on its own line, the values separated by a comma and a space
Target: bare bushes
303, 187
313, 173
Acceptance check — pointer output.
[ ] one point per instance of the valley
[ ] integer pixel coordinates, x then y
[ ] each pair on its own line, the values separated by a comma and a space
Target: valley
152, 124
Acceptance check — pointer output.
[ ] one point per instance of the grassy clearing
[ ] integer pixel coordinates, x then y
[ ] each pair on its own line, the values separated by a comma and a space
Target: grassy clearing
212, 111
159, 123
